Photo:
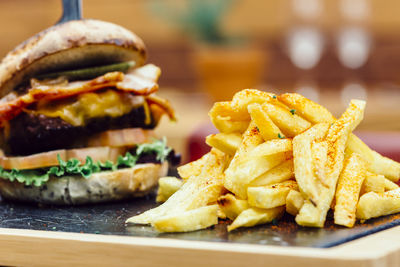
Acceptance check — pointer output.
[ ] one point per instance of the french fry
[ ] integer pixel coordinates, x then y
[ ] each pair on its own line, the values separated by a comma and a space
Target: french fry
245, 97
186, 221
348, 190
373, 182
385, 166
233, 116
337, 137
290, 124
227, 125
306, 108
232, 206
196, 192
267, 127
167, 186
389, 185
270, 196
294, 202
316, 113
256, 216
278, 174
226, 142
303, 160
241, 170
373, 204
193, 168
319, 152
271, 147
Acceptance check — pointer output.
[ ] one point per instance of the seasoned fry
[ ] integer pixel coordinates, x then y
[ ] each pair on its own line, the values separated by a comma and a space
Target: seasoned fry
276, 154
337, 137
227, 125
306, 108
242, 170
232, 206
294, 202
348, 190
290, 124
271, 147
256, 216
191, 220
226, 142
270, 196
385, 166
196, 192
373, 182
319, 152
303, 160
316, 113
373, 204
267, 127
278, 174
193, 168
167, 186
389, 185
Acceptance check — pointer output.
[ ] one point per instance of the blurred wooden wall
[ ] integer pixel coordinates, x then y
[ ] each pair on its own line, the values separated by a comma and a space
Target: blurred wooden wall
20, 19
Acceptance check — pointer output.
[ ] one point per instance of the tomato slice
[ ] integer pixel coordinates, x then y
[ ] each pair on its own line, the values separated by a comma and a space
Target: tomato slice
122, 138
48, 159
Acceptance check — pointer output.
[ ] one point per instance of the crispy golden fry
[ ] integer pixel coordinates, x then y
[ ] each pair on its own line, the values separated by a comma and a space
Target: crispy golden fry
232, 206
271, 147
294, 202
227, 125
242, 99
226, 142
270, 196
337, 137
373, 204
267, 127
319, 152
306, 108
290, 124
389, 185
373, 182
186, 221
233, 116
241, 170
303, 160
348, 190
278, 174
256, 216
193, 168
167, 186
196, 192
385, 166
316, 113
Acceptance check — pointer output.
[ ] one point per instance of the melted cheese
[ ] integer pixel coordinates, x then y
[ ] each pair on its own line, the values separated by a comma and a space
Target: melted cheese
78, 110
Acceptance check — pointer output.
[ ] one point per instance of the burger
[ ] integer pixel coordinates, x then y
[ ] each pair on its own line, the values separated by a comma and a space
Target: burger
77, 113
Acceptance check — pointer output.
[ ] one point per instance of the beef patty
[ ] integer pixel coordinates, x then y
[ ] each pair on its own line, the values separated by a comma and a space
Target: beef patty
35, 133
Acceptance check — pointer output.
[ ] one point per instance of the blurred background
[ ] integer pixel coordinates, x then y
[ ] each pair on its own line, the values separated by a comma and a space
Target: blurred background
328, 50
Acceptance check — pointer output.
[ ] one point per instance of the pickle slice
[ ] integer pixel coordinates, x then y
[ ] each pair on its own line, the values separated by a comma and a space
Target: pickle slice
88, 73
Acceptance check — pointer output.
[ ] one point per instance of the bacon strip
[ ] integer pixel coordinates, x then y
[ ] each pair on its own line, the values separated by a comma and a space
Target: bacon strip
141, 81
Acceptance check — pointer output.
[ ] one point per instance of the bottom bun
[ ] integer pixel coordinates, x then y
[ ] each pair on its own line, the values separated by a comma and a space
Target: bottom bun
100, 187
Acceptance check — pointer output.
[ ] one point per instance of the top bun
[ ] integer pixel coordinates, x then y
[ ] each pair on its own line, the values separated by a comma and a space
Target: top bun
74, 44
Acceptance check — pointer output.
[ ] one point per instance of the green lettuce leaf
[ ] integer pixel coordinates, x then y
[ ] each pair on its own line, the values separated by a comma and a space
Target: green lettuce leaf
39, 177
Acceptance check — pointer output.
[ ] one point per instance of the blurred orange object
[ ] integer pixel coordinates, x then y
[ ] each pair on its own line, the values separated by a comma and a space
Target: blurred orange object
224, 70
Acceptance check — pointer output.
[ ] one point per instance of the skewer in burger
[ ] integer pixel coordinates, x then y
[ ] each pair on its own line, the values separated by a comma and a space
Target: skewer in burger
77, 113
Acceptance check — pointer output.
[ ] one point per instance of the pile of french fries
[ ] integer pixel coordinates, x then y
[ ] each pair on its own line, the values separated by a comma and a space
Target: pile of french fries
277, 154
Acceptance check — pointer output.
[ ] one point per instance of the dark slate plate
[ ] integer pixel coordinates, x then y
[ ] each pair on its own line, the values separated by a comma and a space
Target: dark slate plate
108, 219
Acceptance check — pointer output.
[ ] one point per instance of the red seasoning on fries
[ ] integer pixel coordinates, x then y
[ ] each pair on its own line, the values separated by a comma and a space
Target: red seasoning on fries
277, 154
